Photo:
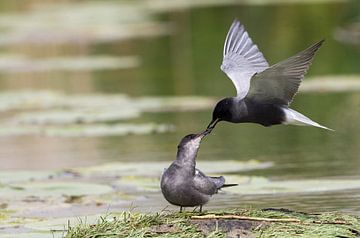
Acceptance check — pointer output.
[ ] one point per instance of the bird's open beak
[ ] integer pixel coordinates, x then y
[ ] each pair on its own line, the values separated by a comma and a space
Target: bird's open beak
212, 124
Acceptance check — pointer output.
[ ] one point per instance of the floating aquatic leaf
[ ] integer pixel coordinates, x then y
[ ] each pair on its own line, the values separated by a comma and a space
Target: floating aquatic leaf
11, 222
89, 109
331, 83
61, 224
140, 183
10, 176
52, 189
118, 196
19, 131
88, 22
173, 104
231, 166
16, 64
155, 168
67, 111
76, 116
83, 22
81, 130
349, 34
27, 100
260, 185
170, 6
33, 235
17, 100
108, 130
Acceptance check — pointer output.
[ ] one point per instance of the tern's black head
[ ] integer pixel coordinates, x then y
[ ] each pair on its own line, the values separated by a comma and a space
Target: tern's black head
222, 112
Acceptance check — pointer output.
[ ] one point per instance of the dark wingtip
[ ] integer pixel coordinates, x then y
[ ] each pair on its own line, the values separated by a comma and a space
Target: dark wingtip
321, 41
317, 45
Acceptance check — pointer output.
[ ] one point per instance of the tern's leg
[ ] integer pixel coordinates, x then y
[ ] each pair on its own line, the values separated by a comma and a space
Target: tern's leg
181, 209
200, 208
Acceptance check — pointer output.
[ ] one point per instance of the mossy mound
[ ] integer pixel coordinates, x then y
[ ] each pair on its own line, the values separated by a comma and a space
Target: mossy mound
265, 223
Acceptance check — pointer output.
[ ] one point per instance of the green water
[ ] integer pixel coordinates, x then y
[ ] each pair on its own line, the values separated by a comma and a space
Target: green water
184, 59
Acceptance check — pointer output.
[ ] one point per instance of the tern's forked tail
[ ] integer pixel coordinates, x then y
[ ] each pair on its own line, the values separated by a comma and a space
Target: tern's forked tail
229, 185
293, 117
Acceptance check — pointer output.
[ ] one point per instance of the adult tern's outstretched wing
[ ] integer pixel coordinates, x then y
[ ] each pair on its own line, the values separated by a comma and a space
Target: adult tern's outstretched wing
242, 58
279, 83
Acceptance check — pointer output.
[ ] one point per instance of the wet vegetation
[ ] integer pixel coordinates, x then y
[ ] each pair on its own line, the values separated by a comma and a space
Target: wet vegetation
275, 223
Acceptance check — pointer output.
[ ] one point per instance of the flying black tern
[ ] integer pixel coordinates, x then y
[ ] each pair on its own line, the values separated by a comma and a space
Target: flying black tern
182, 184
263, 93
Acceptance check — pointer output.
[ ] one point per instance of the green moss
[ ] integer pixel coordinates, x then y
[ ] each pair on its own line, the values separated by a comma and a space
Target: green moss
182, 225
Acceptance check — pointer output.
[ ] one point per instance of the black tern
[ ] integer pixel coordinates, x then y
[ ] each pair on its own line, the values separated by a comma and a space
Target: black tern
182, 184
263, 93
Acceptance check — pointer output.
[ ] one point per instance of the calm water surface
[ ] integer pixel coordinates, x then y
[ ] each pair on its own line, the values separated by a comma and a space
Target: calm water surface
185, 61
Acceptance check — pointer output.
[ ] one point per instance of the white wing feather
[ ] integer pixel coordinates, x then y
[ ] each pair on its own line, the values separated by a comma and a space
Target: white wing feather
242, 58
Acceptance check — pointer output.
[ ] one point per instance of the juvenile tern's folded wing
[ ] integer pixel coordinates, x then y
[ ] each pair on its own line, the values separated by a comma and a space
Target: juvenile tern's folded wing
279, 83
242, 58
204, 184
219, 181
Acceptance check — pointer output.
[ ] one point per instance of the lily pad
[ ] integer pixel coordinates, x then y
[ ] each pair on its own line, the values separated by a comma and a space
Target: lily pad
331, 83
231, 166
170, 6
10, 176
61, 224
155, 168
16, 64
173, 104
251, 185
82, 22
84, 107
140, 183
17, 100
76, 116
53, 189
34, 235
102, 108
260, 185
349, 34
82, 130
